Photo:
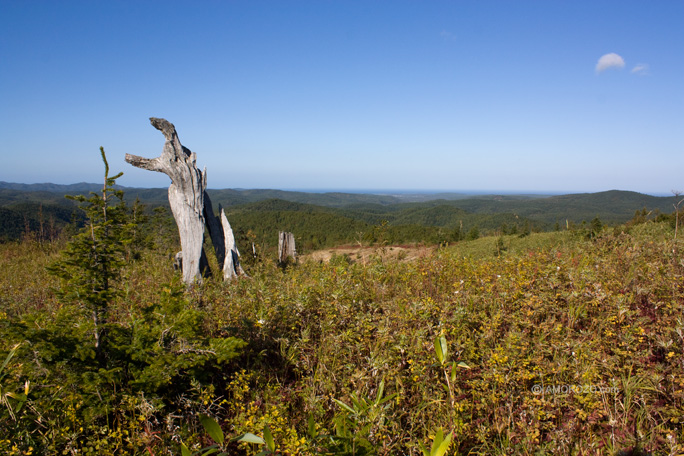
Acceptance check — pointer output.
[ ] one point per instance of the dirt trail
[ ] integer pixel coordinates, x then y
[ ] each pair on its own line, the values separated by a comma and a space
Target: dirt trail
363, 254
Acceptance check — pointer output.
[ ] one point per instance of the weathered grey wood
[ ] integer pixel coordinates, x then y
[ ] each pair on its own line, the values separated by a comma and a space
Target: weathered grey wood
178, 261
231, 266
215, 230
223, 240
186, 194
286, 246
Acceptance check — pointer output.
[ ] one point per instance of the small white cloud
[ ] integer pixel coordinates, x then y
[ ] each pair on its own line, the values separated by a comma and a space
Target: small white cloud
608, 61
641, 69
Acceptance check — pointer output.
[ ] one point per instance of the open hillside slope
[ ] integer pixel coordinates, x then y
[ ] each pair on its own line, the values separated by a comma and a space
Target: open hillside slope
554, 343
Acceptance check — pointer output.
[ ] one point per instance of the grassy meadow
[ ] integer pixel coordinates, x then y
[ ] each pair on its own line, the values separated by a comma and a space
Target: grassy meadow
554, 343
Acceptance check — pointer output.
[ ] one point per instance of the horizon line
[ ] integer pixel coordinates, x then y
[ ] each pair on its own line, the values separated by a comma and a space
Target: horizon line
381, 191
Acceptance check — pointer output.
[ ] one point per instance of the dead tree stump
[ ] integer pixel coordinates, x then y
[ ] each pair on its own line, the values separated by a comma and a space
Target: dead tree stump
286, 246
189, 202
231, 266
223, 239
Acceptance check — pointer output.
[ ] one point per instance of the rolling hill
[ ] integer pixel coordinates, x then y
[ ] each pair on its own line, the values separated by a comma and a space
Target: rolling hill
325, 218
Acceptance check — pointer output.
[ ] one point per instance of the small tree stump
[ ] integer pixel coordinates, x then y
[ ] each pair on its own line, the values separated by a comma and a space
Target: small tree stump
215, 230
286, 246
231, 265
223, 239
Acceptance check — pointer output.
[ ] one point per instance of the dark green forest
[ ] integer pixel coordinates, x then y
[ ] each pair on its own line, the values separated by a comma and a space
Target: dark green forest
321, 220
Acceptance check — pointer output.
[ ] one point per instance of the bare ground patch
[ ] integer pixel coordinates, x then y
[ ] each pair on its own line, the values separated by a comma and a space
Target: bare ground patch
365, 253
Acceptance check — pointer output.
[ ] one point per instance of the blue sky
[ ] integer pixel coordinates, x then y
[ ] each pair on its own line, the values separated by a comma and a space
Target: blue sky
542, 96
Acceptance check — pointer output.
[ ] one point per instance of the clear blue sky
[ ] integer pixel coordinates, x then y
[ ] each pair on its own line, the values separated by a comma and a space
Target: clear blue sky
544, 96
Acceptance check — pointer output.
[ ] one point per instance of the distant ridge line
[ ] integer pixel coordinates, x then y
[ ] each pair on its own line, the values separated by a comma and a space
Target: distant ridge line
398, 193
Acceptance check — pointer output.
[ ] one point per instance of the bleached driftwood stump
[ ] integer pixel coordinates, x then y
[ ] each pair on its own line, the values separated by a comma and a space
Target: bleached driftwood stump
190, 205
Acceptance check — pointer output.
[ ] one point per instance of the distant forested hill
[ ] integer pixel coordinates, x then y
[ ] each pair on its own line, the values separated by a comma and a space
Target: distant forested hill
231, 197
313, 226
317, 226
613, 206
323, 219
81, 187
226, 197
48, 219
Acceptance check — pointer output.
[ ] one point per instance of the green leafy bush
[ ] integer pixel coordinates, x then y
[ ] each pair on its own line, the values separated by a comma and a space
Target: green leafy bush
102, 367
